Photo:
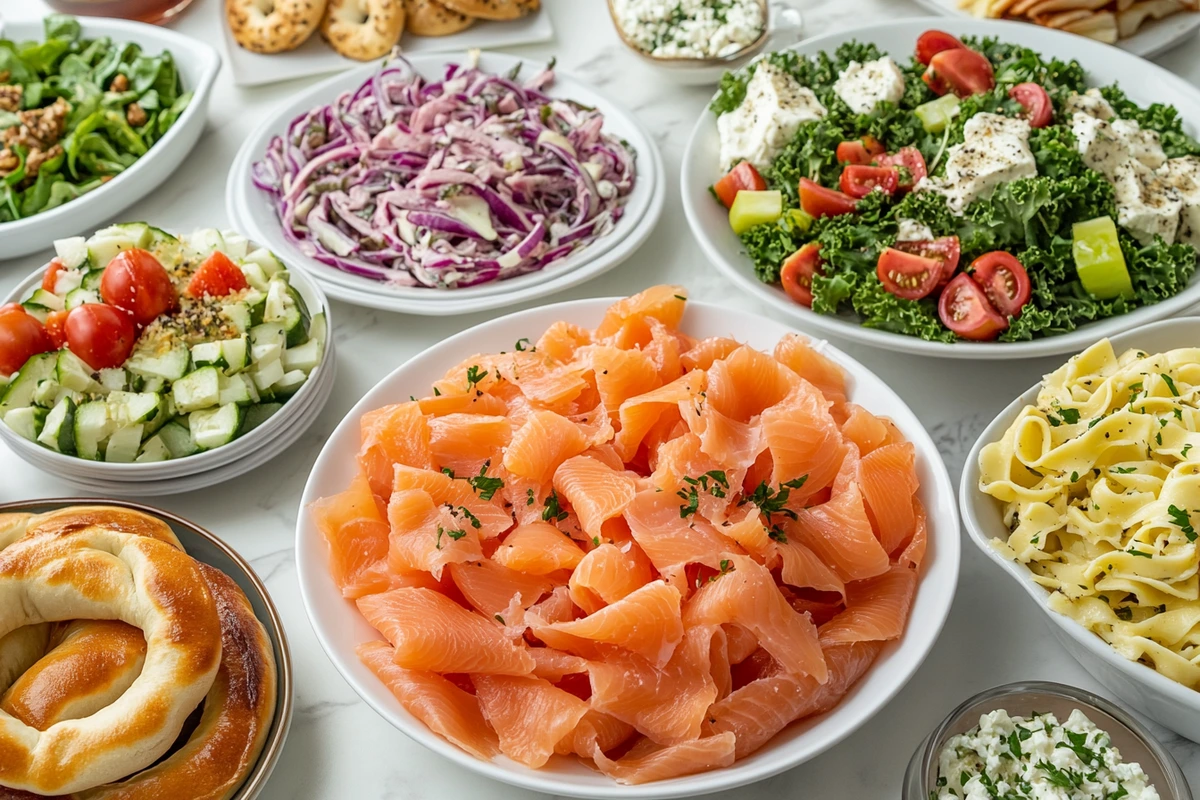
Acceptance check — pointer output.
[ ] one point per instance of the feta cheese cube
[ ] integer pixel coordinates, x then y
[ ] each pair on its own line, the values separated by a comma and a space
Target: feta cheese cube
1147, 205
1091, 103
995, 151
774, 108
1183, 175
909, 230
865, 86
1144, 145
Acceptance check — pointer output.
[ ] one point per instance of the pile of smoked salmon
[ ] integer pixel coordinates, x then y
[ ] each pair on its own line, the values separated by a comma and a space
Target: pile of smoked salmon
646, 550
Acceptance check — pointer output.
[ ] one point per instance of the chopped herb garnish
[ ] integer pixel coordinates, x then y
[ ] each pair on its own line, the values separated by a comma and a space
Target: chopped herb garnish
1183, 453
1124, 470
529, 498
691, 502
1134, 552
484, 486
1069, 415
1169, 381
552, 510
521, 344
474, 520
448, 471
1074, 477
1180, 518
1124, 612
474, 376
500, 619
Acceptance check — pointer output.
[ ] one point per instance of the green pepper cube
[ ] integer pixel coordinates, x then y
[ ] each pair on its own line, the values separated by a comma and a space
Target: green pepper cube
754, 208
1099, 260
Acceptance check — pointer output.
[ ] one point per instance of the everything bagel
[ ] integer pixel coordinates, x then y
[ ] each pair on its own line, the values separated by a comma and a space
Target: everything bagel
363, 29
273, 26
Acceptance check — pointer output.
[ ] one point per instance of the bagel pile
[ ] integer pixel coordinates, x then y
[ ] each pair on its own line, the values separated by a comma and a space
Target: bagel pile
358, 29
128, 670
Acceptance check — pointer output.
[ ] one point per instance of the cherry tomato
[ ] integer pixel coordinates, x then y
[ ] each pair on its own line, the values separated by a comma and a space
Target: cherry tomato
908, 276
218, 276
102, 335
817, 201
964, 309
859, 151
933, 42
135, 282
1039, 109
56, 327
962, 71
797, 273
743, 176
859, 180
1004, 281
21, 338
945, 251
51, 278
911, 164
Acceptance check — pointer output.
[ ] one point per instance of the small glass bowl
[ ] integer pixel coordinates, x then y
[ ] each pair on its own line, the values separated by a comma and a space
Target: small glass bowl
1129, 736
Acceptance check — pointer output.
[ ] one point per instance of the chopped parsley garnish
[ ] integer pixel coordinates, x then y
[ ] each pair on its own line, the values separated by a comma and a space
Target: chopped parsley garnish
1134, 552
680, 297
448, 471
1124, 470
1077, 743
474, 376
1183, 453
1180, 518
521, 344
484, 486
1014, 745
437, 392
500, 619
726, 568
552, 510
455, 535
474, 520
777, 534
1067, 779
1124, 612
691, 501
1170, 383
529, 498
1069, 415
1074, 477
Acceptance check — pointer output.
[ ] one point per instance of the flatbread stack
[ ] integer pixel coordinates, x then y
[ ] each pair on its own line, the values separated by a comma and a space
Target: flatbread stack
360, 29
1105, 20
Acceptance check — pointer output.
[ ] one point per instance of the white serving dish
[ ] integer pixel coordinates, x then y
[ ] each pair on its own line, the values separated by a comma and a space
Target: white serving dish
1158, 697
340, 627
198, 65
139, 479
254, 214
1155, 37
1144, 81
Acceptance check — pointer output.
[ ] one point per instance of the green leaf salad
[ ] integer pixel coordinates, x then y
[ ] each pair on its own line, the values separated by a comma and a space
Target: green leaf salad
1096, 197
76, 112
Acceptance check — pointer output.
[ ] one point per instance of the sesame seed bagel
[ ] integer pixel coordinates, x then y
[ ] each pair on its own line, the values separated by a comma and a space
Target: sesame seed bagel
101, 574
494, 9
273, 26
431, 18
363, 29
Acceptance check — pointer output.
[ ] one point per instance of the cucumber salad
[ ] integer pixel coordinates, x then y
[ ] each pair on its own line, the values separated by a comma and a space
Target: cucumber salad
139, 346
973, 190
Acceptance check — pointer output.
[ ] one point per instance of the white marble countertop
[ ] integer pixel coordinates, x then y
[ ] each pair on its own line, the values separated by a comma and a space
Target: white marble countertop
338, 747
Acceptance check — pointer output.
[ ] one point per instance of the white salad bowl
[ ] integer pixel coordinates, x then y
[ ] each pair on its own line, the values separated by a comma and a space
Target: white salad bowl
198, 64
340, 627
1145, 83
161, 477
254, 211
1158, 697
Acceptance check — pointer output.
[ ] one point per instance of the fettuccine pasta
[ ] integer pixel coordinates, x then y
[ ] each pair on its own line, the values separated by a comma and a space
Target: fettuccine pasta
1101, 485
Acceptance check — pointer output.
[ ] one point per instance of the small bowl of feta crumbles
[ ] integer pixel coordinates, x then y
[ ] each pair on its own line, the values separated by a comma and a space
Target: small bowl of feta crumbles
695, 42
1042, 741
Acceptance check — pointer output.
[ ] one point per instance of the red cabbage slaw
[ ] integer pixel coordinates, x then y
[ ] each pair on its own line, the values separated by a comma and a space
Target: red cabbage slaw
446, 184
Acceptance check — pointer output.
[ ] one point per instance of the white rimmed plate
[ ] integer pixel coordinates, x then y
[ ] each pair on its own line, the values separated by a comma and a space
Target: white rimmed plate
254, 211
97, 474
340, 627
1145, 82
1155, 37
1158, 697
198, 65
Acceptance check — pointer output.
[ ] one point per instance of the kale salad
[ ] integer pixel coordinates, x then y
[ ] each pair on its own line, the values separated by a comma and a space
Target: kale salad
76, 112
976, 190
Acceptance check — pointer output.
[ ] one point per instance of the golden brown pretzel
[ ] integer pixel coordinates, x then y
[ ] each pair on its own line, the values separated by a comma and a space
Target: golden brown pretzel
98, 573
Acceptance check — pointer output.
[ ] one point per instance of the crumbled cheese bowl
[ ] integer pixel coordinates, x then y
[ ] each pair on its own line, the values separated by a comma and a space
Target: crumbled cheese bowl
979, 722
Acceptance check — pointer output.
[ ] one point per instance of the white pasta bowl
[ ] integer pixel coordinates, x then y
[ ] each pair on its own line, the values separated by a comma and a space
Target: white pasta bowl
198, 65
1165, 701
340, 628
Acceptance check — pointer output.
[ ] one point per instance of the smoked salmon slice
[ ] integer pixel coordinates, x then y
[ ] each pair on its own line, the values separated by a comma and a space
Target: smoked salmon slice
661, 763
839, 532
804, 442
530, 715
463, 443
538, 548
795, 352
391, 435
607, 574
746, 383
491, 587
595, 490
863, 428
889, 482
645, 622
426, 536
704, 353
541, 445
672, 540
876, 609
595, 730
356, 533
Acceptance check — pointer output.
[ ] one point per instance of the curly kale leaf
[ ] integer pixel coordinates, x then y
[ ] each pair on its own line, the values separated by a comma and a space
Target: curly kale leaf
881, 309
818, 72
1158, 117
768, 245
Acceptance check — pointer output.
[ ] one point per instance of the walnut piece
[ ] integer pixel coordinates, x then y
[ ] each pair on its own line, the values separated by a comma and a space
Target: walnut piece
119, 83
135, 115
39, 127
10, 97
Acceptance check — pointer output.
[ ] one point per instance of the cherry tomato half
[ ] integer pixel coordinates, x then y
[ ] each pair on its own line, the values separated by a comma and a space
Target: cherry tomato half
911, 164
1004, 281
964, 309
797, 273
51, 277
743, 176
102, 335
859, 151
908, 276
859, 180
933, 42
136, 282
21, 338
817, 201
56, 327
1039, 109
962, 71
218, 276
946, 251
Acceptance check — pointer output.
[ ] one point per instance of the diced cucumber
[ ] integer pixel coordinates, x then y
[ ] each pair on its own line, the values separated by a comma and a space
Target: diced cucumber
115, 379
45, 299
63, 392
72, 251
178, 438
46, 393
156, 385
238, 389
77, 297
268, 333
124, 444
74, 374
107, 242
134, 408
265, 259
256, 301
236, 245
92, 428
267, 375
153, 450
91, 280
208, 354
166, 248
199, 244
214, 427
171, 365
40, 313
22, 385
257, 415
277, 300
256, 276
59, 431
305, 357
236, 353
26, 422
238, 314
198, 389
67, 281
319, 329
261, 354
289, 384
